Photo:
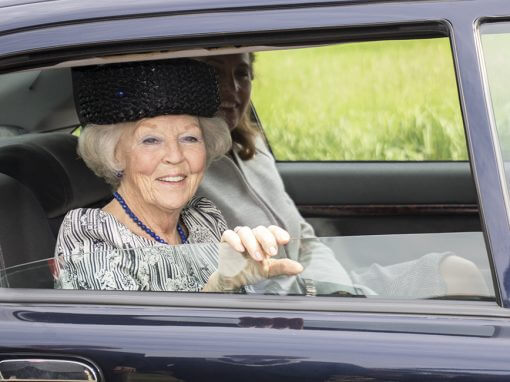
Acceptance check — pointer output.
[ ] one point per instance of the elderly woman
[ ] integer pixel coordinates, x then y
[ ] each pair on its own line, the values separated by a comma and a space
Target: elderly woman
149, 133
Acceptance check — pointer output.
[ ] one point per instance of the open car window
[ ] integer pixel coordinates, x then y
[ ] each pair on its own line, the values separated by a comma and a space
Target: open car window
369, 229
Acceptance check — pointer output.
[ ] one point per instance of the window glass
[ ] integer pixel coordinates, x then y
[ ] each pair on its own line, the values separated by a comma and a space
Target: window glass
380, 266
26, 98
496, 53
382, 100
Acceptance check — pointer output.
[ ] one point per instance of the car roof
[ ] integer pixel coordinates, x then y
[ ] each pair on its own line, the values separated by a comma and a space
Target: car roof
194, 4
16, 14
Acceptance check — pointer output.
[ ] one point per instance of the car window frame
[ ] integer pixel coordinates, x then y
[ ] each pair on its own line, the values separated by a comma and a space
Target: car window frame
497, 228
490, 107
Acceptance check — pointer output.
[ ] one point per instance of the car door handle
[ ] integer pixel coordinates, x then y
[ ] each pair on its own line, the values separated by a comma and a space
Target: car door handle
47, 370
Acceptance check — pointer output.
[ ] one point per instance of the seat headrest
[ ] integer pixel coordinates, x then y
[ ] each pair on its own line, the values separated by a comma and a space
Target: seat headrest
49, 166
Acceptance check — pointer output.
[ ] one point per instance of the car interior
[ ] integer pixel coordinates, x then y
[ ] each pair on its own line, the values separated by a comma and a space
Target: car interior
42, 178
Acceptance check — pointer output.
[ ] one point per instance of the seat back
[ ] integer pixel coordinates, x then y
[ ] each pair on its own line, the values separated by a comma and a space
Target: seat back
49, 165
25, 236
41, 179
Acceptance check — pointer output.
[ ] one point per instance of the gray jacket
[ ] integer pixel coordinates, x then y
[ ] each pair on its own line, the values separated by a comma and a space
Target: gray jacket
251, 193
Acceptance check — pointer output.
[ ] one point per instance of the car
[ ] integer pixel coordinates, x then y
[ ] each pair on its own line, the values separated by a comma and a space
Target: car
395, 206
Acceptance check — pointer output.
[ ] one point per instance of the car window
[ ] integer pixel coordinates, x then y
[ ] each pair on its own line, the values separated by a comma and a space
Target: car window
361, 101
495, 39
42, 178
40, 96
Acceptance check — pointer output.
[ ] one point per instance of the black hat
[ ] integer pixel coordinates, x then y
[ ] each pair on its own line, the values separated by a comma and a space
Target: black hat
106, 94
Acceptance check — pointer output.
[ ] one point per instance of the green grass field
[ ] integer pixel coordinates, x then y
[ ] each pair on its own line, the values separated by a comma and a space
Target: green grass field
387, 100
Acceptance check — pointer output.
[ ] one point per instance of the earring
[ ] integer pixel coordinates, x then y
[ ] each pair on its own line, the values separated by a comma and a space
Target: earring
119, 174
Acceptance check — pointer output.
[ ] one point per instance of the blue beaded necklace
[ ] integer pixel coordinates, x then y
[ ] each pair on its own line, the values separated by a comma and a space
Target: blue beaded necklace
140, 224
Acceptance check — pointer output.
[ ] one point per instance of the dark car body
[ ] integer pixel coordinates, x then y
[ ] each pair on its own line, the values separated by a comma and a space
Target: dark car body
193, 337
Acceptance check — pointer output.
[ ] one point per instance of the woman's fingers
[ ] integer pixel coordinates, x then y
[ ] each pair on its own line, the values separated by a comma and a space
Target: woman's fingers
287, 267
266, 240
259, 243
282, 237
250, 242
233, 239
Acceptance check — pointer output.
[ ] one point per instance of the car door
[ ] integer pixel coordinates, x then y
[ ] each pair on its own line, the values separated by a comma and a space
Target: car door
50, 334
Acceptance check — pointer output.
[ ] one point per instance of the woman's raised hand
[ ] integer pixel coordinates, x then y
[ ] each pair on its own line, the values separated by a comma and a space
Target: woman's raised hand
260, 242
248, 258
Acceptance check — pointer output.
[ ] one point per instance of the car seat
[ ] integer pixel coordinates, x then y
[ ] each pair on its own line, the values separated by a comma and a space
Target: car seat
25, 237
48, 164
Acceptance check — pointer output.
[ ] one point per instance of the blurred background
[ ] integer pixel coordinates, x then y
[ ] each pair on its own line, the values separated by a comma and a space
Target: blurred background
384, 100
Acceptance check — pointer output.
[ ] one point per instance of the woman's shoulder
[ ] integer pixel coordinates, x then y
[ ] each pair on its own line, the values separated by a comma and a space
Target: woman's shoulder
262, 147
202, 214
77, 230
87, 217
201, 206
79, 216
89, 222
201, 203
92, 229
79, 212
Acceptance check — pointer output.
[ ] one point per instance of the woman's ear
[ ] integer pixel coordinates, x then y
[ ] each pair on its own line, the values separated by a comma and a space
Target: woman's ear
122, 148
119, 161
118, 156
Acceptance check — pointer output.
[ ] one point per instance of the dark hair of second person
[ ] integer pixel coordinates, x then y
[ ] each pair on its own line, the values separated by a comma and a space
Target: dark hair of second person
235, 73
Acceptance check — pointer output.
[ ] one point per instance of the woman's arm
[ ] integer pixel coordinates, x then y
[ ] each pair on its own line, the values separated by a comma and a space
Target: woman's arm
319, 261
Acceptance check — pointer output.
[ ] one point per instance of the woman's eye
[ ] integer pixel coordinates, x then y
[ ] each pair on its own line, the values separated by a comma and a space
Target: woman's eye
190, 139
150, 141
243, 73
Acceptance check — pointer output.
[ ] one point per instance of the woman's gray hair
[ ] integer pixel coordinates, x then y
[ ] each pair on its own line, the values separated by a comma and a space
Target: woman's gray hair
97, 144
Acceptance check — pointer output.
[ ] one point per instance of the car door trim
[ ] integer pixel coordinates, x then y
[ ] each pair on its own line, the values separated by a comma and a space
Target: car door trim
388, 210
254, 302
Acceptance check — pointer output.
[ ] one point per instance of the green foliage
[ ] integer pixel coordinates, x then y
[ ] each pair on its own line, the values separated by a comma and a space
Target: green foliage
386, 100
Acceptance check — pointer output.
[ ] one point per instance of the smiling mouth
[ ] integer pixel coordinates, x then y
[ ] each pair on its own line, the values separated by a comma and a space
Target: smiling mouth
172, 179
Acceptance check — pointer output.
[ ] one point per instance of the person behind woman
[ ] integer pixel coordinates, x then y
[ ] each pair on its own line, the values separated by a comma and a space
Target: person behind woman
248, 177
149, 133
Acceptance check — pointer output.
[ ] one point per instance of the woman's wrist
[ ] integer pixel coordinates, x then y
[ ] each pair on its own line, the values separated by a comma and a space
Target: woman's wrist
219, 283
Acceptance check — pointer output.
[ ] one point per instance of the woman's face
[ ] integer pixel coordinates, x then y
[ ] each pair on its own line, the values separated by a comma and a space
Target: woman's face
235, 85
164, 160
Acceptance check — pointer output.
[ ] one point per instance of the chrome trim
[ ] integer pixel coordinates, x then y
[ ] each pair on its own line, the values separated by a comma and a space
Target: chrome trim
4, 282
87, 370
200, 301
490, 112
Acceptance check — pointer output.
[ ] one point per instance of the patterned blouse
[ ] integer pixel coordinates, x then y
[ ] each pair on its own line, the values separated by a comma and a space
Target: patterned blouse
96, 251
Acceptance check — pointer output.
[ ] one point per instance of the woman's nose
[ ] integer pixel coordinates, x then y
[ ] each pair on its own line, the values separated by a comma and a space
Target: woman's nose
230, 83
174, 153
